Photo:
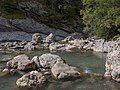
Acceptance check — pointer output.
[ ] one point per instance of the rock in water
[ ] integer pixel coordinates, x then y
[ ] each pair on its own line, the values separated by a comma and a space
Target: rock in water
48, 60
113, 62
64, 71
34, 78
29, 46
49, 39
21, 62
36, 38
35, 43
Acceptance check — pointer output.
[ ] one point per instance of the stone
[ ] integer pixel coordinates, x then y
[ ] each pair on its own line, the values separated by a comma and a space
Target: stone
5, 70
36, 38
77, 43
53, 47
31, 79
49, 39
29, 46
48, 60
21, 62
64, 71
98, 45
116, 73
35, 59
72, 37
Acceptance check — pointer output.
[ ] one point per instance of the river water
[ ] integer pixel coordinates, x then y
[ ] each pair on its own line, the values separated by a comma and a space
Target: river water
90, 62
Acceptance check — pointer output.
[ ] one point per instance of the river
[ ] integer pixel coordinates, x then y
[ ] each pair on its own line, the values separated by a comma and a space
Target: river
89, 62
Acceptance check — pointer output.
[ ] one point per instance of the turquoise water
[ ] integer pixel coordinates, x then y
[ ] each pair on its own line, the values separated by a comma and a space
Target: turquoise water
89, 62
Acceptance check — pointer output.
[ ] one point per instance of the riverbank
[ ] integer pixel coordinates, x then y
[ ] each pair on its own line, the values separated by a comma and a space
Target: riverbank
75, 42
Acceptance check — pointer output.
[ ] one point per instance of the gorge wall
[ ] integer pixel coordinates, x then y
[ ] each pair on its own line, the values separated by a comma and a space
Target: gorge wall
60, 17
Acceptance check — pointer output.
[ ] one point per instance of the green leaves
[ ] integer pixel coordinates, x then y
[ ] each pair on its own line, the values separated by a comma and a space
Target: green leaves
101, 17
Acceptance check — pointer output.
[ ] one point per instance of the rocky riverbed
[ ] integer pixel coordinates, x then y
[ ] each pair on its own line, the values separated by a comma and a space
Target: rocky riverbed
54, 27
40, 69
90, 65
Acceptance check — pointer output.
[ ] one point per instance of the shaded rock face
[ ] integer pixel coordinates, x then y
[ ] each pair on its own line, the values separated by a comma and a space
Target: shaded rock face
31, 26
11, 33
33, 78
40, 11
22, 30
21, 62
113, 62
4, 25
64, 71
29, 46
41, 19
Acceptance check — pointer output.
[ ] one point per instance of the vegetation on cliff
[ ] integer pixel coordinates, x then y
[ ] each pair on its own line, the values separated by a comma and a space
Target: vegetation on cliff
9, 10
101, 18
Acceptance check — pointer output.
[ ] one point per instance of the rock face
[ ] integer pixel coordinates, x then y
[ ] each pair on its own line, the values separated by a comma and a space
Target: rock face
34, 78
64, 71
38, 10
113, 62
11, 33
21, 62
22, 30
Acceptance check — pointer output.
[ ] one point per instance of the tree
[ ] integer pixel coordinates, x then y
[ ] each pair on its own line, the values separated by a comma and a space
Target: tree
101, 17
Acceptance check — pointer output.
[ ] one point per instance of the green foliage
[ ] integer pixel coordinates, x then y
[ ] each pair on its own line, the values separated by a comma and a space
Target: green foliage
101, 17
8, 9
64, 10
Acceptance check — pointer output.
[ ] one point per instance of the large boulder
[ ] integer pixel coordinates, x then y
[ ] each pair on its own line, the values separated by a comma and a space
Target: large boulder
34, 78
49, 39
36, 38
48, 60
113, 62
21, 62
64, 71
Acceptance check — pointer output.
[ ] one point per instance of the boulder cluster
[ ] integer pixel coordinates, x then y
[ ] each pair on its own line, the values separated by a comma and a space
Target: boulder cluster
37, 70
113, 62
36, 43
56, 64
